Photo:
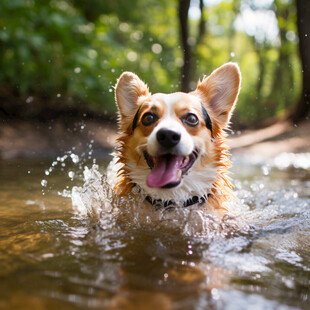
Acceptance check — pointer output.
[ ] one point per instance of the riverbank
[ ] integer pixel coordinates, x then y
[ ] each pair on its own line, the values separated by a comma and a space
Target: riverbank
268, 142
33, 139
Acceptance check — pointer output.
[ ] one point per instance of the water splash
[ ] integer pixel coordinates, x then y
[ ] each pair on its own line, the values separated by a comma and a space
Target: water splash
95, 196
70, 165
97, 200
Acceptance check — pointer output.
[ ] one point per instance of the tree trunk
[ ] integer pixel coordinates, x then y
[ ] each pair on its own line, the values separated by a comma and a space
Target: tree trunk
186, 68
261, 74
303, 23
201, 31
280, 92
202, 23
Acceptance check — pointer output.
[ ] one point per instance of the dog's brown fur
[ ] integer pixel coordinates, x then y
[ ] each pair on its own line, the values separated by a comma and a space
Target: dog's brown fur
217, 93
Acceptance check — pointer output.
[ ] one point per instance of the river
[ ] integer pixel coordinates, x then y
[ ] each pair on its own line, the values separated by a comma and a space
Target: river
52, 257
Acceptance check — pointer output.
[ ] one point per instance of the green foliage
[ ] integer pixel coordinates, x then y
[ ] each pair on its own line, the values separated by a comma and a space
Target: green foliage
270, 68
75, 50
55, 47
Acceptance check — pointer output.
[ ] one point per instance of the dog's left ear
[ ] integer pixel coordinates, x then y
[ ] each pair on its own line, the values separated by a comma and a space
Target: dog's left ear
129, 90
219, 92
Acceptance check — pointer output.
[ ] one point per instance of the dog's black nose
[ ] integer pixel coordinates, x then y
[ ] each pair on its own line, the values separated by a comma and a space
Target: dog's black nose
168, 138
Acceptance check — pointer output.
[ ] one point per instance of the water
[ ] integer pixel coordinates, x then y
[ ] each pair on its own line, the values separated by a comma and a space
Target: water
52, 257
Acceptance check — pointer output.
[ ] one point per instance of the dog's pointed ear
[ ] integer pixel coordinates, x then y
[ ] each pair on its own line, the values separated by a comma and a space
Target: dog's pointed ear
128, 92
219, 92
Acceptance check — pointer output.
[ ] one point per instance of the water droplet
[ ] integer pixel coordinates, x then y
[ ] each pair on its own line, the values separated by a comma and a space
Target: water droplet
92, 53
265, 170
157, 48
215, 294
29, 99
290, 35
44, 183
123, 27
75, 158
132, 56
71, 174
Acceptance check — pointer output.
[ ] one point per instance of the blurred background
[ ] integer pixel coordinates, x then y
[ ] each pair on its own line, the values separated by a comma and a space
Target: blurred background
61, 59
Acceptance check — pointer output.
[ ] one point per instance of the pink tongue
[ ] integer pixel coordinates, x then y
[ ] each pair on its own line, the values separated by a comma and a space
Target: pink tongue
165, 171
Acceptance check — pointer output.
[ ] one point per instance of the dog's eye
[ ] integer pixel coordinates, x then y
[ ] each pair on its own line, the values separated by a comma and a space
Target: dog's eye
149, 118
191, 119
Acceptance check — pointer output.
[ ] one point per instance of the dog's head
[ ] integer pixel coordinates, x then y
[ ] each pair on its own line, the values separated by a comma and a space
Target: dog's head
171, 144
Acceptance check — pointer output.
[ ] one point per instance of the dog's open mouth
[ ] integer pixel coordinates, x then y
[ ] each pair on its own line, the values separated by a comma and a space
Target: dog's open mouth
167, 170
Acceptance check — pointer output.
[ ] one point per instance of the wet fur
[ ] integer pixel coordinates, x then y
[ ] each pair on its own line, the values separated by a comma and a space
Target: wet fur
218, 94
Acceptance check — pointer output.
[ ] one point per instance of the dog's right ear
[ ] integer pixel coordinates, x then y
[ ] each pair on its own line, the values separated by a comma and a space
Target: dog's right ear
129, 92
219, 92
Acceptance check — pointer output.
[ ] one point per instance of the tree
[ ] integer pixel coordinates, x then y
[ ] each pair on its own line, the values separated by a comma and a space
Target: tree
303, 23
283, 73
186, 68
189, 50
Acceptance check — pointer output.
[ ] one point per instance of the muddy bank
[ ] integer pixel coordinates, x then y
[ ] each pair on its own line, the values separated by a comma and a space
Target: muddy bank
26, 139
33, 139
272, 141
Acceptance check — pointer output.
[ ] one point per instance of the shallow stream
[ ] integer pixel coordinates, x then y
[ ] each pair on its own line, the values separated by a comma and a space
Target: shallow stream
52, 257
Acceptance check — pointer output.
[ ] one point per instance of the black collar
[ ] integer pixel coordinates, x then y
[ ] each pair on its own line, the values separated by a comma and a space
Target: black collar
189, 202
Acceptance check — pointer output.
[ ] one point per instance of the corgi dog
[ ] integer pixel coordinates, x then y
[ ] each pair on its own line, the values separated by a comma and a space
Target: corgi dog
171, 147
